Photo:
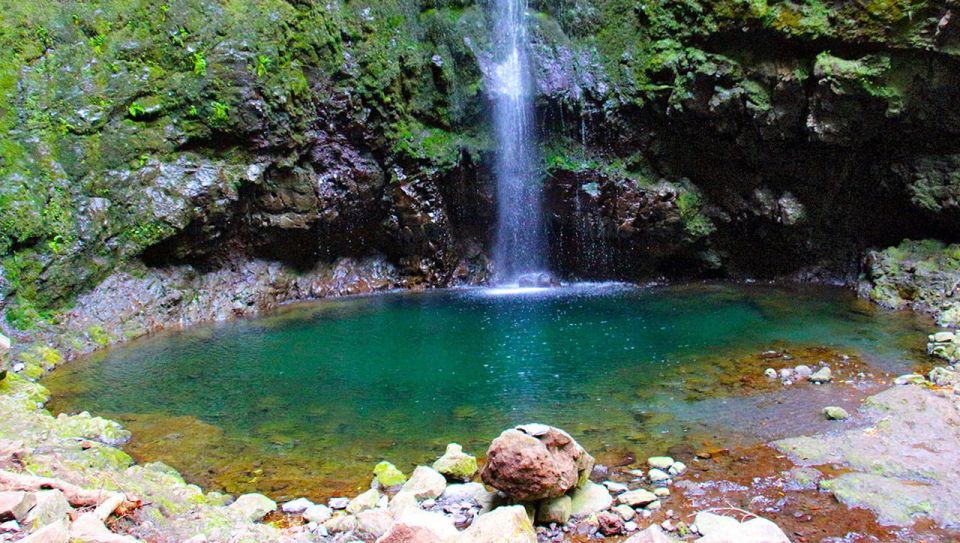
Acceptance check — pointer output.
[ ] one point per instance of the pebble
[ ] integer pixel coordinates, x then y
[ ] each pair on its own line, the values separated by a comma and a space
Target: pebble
823, 375
338, 503
631, 526
661, 492
658, 475
660, 462
298, 505
770, 373
803, 371
616, 488
835, 413
677, 468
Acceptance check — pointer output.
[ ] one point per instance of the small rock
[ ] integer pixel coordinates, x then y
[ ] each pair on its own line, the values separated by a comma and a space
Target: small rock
591, 498
658, 476
660, 462
401, 502
803, 371
661, 492
833, 412
786, 373
388, 475
943, 377
341, 524
317, 513
456, 464
338, 503
615, 488
678, 468
401, 533
631, 526
653, 534
910, 379
637, 498
770, 373
502, 525
441, 525
10, 526
14, 505
823, 375
425, 483
610, 523
51, 533
368, 500
939, 337
625, 511
296, 506
556, 510
375, 522
51, 506
654, 506
253, 507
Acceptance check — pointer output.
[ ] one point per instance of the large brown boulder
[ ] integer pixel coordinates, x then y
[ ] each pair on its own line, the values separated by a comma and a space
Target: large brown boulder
534, 462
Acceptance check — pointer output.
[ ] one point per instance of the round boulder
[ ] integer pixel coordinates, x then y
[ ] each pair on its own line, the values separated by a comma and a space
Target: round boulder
535, 462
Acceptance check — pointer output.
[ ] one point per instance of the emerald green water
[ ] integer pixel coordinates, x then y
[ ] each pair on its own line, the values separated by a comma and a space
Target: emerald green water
305, 401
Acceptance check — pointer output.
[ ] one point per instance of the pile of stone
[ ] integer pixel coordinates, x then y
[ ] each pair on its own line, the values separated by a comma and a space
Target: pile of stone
945, 345
788, 376
540, 477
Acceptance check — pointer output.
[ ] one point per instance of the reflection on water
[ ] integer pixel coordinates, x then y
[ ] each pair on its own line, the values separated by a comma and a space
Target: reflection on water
306, 401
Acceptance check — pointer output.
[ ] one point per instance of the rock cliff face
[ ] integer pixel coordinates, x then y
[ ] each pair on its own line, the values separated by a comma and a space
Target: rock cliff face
702, 137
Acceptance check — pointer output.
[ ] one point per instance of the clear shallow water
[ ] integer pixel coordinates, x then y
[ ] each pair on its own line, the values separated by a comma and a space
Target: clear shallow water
304, 402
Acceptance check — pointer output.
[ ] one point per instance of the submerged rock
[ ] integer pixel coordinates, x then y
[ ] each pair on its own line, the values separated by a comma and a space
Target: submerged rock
536, 461
455, 464
835, 413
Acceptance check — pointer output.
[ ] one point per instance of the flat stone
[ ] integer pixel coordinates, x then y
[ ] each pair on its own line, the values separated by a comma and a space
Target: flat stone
660, 462
590, 498
661, 492
253, 507
367, 500
425, 483
910, 379
338, 503
637, 498
678, 468
465, 492
317, 513
298, 505
833, 412
502, 525
615, 488
51, 506
14, 505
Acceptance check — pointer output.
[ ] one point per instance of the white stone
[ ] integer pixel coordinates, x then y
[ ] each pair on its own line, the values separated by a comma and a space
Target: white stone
298, 505
708, 523
591, 498
253, 506
465, 492
637, 498
318, 514
338, 503
803, 371
10, 526
441, 525
939, 337
661, 492
374, 522
653, 534
625, 511
502, 525
425, 483
660, 462
678, 468
367, 500
755, 530
615, 488
658, 475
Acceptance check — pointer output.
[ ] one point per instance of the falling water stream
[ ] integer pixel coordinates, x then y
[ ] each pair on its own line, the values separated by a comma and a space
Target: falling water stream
519, 245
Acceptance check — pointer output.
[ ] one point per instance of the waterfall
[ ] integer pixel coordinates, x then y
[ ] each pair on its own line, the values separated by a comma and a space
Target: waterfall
519, 244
